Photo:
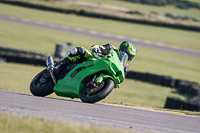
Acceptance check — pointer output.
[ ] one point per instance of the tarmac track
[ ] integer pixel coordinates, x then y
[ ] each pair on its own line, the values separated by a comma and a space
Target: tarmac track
100, 35
111, 116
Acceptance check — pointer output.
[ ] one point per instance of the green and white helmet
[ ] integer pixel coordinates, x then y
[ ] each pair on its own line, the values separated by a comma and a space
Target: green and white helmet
128, 48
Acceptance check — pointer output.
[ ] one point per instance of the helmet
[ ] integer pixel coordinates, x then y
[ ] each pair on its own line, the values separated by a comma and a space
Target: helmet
128, 48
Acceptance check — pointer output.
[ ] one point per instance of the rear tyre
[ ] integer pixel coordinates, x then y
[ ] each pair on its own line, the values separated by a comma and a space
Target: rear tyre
92, 95
42, 84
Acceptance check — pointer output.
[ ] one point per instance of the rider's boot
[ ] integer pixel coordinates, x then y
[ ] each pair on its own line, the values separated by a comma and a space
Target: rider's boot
61, 65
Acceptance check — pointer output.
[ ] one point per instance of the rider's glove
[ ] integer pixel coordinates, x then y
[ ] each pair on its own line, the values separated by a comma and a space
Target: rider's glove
96, 50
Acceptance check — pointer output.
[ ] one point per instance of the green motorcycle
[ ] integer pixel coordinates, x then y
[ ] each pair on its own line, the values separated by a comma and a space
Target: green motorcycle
91, 81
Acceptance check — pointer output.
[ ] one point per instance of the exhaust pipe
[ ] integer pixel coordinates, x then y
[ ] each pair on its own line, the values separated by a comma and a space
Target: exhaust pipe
50, 66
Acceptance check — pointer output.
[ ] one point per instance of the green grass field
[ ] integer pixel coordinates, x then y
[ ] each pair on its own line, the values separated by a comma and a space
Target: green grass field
187, 39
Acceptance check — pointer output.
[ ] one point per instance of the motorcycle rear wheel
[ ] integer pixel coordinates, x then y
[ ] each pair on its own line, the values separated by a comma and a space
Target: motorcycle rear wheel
41, 89
98, 93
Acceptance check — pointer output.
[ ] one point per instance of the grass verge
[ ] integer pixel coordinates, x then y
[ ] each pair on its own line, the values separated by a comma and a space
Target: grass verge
185, 112
17, 124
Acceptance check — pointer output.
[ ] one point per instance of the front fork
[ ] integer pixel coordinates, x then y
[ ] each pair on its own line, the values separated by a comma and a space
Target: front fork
50, 66
93, 83
97, 79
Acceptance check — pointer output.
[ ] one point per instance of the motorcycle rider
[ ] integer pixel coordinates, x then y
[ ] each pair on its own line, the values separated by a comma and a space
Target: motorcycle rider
80, 54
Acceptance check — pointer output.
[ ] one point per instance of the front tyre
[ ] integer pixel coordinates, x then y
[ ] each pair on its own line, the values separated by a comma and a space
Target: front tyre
92, 95
42, 84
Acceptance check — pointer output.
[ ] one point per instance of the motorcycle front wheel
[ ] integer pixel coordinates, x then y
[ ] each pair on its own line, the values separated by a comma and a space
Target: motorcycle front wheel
95, 94
42, 84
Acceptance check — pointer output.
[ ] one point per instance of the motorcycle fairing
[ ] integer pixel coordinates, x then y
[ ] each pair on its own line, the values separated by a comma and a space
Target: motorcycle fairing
71, 85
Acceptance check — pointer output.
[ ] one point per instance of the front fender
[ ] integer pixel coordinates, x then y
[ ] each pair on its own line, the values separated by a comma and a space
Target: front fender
103, 76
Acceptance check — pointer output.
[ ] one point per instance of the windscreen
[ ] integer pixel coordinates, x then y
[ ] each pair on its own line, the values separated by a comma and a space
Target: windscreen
123, 58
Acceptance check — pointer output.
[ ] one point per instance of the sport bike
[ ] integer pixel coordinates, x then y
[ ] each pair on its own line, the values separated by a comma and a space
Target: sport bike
91, 81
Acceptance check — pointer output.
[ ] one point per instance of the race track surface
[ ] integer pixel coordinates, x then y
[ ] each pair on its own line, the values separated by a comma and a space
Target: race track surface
100, 35
75, 111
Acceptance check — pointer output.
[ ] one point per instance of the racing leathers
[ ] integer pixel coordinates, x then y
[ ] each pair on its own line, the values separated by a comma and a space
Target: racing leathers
76, 55
80, 54
104, 50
